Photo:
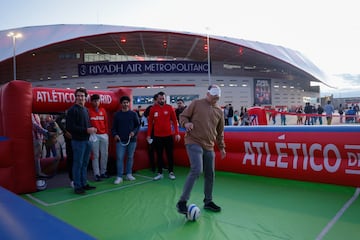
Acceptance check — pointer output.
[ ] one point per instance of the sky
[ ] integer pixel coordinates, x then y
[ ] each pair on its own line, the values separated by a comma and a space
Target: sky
326, 32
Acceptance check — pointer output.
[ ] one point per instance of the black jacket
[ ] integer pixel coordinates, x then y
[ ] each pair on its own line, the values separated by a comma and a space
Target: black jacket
77, 122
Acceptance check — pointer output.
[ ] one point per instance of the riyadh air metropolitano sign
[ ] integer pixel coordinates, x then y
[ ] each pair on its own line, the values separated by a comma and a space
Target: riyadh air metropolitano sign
140, 67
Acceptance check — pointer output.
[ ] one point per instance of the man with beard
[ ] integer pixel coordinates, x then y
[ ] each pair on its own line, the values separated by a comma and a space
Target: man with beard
162, 120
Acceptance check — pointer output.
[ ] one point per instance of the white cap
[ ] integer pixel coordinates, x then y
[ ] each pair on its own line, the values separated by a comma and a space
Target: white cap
215, 90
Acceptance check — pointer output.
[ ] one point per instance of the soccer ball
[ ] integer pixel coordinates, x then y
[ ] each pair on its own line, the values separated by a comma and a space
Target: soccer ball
193, 212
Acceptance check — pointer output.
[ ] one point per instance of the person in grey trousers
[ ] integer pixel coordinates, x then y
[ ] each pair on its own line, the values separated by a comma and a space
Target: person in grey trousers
204, 122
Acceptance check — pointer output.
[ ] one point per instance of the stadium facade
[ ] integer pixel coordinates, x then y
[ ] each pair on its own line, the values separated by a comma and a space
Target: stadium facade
181, 64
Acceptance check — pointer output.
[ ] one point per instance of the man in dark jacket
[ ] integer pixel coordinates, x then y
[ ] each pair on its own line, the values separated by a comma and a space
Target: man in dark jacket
78, 125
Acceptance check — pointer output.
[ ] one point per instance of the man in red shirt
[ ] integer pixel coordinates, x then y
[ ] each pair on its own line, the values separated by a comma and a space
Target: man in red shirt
162, 120
100, 143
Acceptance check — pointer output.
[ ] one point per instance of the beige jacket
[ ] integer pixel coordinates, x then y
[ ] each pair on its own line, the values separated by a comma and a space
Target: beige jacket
208, 124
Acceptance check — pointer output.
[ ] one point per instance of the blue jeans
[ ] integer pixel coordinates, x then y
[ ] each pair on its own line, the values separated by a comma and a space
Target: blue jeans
200, 160
120, 155
320, 120
230, 119
81, 156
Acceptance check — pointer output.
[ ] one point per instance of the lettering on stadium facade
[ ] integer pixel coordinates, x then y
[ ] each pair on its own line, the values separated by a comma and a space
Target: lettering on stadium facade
139, 67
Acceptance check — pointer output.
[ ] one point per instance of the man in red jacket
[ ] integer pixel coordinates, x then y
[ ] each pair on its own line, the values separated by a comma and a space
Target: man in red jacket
162, 119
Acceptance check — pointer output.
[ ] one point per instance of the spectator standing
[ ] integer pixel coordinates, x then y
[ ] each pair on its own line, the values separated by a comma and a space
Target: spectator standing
241, 115
204, 121
313, 115
236, 118
39, 134
125, 127
357, 109
341, 113
230, 115
61, 121
272, 115
329, 110
245, 119
100, 147
226, 114
162, 119
308, 112
320, 111
283, 115
78, 124
299, 112
151, 148
138, 112
180, 107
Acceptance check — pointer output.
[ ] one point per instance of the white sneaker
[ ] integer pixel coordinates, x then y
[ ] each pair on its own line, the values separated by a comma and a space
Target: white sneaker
158, 177
130, 177
72, 184
172, 176
118, 180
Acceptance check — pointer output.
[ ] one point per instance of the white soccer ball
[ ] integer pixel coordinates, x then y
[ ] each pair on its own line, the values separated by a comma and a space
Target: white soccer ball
193, 212
41, 184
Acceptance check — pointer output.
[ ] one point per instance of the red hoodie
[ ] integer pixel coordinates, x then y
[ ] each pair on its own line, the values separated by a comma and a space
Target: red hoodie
163, 120
98, 119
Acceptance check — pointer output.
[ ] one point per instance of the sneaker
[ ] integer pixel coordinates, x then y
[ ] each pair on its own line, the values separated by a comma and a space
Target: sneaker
130, 177
88, 187
72, 184
118, 180
181, 207
80, 191
212, 207
97, 178
172, 176
159, 176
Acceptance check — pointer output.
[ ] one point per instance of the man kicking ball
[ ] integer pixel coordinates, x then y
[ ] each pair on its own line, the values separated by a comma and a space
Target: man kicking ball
203, 120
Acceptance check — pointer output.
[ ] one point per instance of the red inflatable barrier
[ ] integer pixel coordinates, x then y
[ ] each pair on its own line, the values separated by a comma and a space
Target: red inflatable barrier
18, 101
327, 154
47, 100
6, 164
16, 125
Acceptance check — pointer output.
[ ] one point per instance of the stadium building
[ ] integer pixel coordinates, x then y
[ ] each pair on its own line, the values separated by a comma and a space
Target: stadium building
182, 64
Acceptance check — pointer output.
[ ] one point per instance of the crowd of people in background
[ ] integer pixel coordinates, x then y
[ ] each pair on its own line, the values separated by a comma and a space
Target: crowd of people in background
235, 117
308, 114
312, 114
82, 133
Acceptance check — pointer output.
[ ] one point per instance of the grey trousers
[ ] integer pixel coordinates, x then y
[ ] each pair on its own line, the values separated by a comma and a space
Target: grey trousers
200, 159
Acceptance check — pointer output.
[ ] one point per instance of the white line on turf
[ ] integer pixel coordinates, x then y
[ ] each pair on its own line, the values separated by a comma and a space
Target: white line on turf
338, 215
37, 200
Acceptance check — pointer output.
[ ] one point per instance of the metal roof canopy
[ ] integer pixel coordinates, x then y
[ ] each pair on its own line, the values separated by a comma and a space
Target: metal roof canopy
143, 42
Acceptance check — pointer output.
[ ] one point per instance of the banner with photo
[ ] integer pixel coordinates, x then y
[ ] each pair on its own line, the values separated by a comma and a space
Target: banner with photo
262, 91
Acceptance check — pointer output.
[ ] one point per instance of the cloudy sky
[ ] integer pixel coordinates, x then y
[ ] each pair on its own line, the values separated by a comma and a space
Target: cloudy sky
327, 32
